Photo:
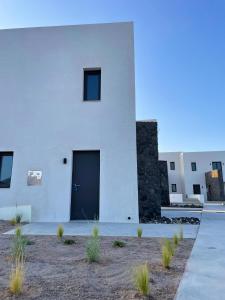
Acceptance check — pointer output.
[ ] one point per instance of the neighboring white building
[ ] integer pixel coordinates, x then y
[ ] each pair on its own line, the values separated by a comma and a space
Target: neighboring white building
186, 172
68, 131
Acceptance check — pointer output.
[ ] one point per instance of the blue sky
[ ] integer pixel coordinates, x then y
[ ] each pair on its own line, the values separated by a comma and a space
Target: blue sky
179, 58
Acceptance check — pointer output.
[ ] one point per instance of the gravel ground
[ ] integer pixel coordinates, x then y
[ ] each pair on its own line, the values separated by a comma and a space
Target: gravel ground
57, 271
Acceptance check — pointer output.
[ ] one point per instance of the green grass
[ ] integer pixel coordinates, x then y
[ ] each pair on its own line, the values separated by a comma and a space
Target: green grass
169, 245
175, 240
95, 232
93, 250
119, 244
60, 232
166, 257
141, 279
139, 232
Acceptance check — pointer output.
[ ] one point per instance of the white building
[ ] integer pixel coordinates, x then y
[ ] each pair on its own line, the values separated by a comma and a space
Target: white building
186, 172
68, 131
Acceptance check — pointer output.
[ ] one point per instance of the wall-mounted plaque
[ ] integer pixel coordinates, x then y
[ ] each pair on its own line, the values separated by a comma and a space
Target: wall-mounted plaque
34, 177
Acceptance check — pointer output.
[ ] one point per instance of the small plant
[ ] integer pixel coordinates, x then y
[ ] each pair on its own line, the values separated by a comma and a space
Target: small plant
18, 232
13, 221
93, 250
69, 242
141, 279
175, 240
18, 218
166, 257
139, 232
95, 232
181, 234
119, 244
169, 246
60, 232
18, 247
17, 279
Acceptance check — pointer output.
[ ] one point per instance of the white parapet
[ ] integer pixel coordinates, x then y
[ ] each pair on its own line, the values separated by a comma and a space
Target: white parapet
199, 197
8, 213
176, 198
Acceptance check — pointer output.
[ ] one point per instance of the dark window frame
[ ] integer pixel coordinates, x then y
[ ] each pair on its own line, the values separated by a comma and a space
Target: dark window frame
174, 188
88, 72
2, 154
193, 166
217, 162
172, 165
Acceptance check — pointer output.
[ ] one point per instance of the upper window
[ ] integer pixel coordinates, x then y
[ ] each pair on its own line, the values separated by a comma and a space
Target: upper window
193, 166
92, 85
172, 165
6, 160
174, 188
216, 165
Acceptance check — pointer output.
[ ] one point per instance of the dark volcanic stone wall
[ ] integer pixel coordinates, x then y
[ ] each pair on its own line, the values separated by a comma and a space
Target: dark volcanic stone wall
215, 186
149, 192
164, 183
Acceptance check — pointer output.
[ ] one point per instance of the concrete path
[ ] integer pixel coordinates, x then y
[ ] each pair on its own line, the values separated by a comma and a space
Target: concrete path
204, 278
109, 229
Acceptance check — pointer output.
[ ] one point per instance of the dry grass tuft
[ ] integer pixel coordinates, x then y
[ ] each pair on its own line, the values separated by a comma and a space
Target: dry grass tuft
139, 232
60, 232
141, 279
16, 281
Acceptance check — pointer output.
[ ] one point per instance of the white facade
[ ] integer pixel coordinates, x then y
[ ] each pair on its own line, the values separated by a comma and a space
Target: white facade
183, 175
44, 118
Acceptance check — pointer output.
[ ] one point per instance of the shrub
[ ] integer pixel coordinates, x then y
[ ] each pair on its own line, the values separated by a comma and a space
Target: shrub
166, 257
139, 232
119, 244
18, 232
18, 246
60, 232
17, 279
169, 246
181, 234
95, 232
18, 218
13, 221
69, 242
175, 240
141, 279
93, 250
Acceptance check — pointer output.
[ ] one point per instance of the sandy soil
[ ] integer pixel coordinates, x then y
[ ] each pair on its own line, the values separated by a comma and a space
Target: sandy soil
57, 271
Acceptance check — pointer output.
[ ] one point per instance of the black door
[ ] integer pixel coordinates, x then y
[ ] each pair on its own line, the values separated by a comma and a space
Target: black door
85, 185
196, 189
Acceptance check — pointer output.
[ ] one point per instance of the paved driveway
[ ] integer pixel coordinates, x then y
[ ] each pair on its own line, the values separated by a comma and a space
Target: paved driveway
205, 272
109, 229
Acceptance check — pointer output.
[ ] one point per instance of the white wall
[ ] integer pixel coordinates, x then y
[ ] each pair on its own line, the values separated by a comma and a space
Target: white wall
174, 176
43, 117
184, 176
204, 164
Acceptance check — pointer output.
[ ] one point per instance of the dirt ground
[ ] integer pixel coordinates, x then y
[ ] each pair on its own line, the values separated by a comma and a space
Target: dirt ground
56, 271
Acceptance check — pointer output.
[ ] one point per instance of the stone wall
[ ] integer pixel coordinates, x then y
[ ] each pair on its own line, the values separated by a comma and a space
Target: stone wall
164, 183
215, 185
149, 191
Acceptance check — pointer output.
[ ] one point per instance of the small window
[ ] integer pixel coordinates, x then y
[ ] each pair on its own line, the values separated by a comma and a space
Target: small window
6, 160
172, 165
174, 188
92, 85
193, 166
216, 165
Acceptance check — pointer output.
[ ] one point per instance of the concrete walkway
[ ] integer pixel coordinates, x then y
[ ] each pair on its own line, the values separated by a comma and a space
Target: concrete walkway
109, 229
205, 271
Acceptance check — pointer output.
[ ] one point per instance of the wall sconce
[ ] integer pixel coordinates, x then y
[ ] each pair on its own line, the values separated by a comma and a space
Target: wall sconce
64, 161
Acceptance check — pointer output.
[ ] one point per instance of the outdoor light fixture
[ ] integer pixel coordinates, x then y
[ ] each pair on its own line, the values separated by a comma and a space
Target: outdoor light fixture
129, 218
64, 161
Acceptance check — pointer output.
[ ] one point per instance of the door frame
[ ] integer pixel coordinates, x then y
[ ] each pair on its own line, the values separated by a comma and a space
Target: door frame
71, 182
